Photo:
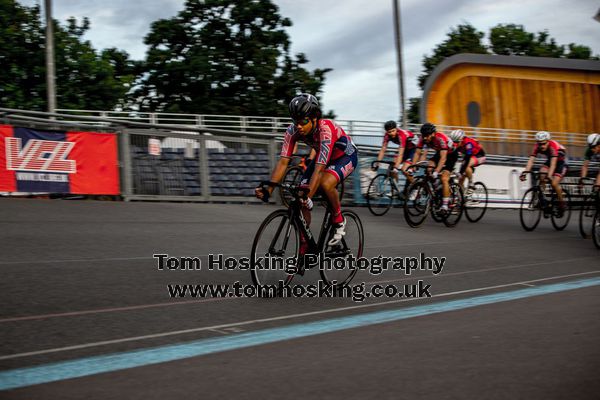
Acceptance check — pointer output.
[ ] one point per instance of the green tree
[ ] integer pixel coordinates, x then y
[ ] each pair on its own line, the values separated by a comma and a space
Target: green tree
84, 78
223, 57
22, 75
414, 108
462, 39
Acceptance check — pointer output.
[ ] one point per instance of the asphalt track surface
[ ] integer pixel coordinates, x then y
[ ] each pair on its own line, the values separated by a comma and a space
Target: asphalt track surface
513, 314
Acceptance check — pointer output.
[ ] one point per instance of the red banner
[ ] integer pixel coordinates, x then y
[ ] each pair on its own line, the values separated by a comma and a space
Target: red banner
35, 161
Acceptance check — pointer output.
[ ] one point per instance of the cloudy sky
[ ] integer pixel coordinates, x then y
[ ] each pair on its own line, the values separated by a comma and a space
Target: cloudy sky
354, 37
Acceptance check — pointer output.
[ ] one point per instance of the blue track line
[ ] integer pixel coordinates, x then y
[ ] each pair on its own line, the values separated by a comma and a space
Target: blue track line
17, 378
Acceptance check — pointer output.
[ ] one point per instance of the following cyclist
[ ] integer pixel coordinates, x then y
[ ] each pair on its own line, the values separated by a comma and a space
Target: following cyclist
473, 156
407, 144
442, 162
336, 158
592, 153
555, 165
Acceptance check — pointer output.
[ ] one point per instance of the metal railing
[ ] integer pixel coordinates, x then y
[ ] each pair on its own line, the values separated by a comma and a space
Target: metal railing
360, 130
204, 162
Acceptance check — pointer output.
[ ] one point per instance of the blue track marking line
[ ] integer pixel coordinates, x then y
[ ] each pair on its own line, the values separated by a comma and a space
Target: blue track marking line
22, 377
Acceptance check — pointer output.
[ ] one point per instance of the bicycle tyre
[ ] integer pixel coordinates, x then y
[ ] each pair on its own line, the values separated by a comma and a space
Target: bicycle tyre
561, 223
530, 205
416, 210
586, 216
456, 206
270, 277
596, 229
352, 243
474, 212
378, 190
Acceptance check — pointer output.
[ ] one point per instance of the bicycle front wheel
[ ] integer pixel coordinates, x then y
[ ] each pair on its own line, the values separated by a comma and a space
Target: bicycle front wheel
531, 210
455, 207
560, 217
596, 229
380, 195
277, 238
586, 217
476, 203
339, 267
417, 204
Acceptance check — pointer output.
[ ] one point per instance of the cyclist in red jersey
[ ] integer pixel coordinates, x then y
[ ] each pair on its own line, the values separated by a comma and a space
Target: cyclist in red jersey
555, 166
336, 158
591, 154
407, 144
442, 162
473, 156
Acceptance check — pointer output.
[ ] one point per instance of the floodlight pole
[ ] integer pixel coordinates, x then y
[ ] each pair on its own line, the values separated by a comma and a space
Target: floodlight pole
50, 70
398, 31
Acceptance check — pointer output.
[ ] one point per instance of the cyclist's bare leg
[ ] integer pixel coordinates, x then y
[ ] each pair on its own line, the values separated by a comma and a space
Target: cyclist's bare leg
328, 186
409, 177
555, 182
445, 177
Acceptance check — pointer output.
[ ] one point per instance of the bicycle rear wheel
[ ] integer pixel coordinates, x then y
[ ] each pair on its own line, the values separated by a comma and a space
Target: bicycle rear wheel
586, 217
277, 237
455, 207
417, 203
380, 195
531, 210
292, 177
341, 270
596, 229
560, 218
476, 204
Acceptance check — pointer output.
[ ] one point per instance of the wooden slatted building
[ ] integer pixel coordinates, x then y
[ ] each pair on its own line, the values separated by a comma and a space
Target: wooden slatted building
515, 93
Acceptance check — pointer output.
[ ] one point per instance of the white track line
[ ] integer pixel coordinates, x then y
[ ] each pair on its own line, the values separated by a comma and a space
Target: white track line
213, 299
270, 319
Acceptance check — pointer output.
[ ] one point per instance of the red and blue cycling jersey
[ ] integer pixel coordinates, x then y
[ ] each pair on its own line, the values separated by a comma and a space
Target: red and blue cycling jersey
470, 147
438, 143
403, 138
554, 149
329, 141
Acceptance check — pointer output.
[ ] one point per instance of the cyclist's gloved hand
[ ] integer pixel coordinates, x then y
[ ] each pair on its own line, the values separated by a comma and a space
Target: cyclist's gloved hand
435, 174
307, 203
262, 191
375, 166
523, 177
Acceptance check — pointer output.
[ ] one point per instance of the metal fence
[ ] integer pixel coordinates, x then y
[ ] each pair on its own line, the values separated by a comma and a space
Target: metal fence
214, 158
502, 141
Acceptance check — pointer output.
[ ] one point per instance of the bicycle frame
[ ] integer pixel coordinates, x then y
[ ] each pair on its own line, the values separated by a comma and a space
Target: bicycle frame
295, 214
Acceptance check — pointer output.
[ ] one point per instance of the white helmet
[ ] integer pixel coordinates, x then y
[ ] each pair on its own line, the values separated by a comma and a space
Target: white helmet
542, 136
457, 135
593, 139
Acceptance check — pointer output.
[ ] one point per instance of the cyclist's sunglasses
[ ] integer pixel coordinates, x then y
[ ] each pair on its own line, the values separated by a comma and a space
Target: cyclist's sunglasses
543, 143
303, 121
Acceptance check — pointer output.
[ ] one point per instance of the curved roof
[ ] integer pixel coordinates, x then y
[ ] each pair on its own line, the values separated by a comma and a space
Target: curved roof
512, 61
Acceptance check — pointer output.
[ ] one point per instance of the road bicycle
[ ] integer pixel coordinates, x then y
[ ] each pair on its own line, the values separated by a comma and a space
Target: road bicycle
424, 196
383, 189
535, 203
279, 236
292, 177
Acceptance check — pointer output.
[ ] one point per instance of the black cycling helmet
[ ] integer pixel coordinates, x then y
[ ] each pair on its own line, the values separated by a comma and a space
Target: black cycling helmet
304, 106
428, 129
389, 125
